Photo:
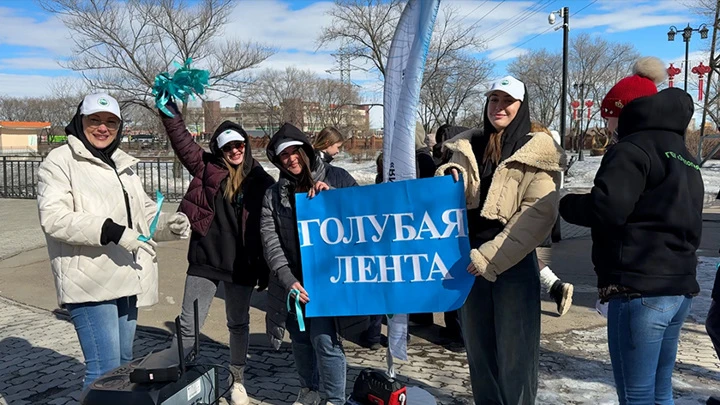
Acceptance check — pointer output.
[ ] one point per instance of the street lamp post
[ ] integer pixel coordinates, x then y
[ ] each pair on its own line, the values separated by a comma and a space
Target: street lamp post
687, 34
565, 14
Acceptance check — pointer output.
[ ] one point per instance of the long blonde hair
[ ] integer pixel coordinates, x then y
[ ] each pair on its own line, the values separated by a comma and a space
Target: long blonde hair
235, 179
328, 137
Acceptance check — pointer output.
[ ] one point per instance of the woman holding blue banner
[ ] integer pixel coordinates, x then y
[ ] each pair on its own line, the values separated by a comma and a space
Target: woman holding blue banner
317, 349
97, 222
223, 202
512, 205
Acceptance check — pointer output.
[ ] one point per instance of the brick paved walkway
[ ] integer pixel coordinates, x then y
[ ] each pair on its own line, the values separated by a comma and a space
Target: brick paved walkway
42, 364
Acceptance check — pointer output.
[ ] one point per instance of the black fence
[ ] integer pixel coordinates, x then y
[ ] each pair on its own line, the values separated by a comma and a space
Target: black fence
19, 176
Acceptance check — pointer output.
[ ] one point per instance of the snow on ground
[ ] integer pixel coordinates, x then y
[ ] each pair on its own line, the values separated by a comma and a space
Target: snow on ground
582, 174
575, 367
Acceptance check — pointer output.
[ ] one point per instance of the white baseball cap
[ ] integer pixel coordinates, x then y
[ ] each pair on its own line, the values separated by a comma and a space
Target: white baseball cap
229, 135
510, 85
285, 145
100, 102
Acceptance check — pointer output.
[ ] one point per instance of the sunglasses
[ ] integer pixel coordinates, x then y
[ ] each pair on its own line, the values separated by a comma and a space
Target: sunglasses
228, 147
110, 124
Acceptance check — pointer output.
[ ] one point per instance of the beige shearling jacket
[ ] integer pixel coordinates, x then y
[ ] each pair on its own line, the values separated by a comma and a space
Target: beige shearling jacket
77, 192
522, 196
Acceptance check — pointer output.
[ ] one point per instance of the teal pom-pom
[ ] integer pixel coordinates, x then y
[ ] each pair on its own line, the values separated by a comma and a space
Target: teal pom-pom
183, 83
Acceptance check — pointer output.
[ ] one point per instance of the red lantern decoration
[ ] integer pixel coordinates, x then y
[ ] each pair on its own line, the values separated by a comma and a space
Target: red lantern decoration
672, 71
701, 70
589, 104
575, 104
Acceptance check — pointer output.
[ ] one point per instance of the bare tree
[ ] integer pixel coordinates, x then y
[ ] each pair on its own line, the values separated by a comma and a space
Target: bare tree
334, 103
364, 27
302, 98
454, 85
595, 66
539, 69
281, 92
120, 46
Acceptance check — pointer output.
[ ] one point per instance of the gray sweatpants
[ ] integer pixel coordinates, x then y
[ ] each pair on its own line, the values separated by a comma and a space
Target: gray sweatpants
237, 310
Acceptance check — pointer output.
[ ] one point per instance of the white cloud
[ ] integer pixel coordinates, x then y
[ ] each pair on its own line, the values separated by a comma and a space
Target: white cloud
30, 63
18, 85
20, 30
274, 23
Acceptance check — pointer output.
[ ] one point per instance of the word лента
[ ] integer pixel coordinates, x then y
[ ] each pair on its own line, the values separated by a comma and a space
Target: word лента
372, 229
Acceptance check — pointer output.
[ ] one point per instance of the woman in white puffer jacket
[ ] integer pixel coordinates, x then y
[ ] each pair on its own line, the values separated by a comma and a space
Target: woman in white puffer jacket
93, 210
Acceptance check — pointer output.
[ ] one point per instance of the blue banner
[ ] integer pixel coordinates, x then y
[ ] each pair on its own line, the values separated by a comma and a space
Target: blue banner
391, 248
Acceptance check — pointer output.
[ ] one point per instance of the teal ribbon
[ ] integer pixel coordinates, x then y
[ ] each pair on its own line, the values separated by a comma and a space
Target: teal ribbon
153, 225
184, 83
298, 310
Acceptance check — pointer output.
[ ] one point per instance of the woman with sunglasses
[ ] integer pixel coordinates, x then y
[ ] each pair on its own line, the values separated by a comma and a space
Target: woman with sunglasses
96, 219
223, 203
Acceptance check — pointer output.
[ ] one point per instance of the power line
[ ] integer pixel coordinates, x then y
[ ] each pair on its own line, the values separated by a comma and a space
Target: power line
519, 19
543, 32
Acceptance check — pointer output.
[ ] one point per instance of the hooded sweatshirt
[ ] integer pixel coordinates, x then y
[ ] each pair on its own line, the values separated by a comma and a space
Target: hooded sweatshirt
645, 209
224, 244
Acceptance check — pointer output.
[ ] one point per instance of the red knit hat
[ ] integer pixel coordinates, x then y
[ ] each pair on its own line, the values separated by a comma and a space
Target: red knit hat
647, 73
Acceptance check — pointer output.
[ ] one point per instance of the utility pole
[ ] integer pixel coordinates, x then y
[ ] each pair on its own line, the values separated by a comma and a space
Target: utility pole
565, 14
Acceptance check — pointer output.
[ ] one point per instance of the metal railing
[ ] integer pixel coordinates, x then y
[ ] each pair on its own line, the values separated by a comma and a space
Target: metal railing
19, 176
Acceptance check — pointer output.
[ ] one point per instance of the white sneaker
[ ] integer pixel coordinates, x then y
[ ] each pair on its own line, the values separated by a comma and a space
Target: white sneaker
307, 397
238, 395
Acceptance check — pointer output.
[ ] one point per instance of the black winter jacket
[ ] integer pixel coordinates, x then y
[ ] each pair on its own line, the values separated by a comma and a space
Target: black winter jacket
645, 209
278, 228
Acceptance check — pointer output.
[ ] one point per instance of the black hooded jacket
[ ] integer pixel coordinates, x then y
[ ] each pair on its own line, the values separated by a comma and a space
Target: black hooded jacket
645, 209
225, 240
282, 195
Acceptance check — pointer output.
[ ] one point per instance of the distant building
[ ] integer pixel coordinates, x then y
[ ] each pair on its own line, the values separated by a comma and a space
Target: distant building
260, 120
21, 137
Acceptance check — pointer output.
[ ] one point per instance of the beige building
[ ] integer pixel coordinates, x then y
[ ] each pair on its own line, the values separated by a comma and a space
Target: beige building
21, 137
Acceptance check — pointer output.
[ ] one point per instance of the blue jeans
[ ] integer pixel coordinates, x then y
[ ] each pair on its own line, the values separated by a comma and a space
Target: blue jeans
319, 357
106, 331
373, 334
643, 338
500, 322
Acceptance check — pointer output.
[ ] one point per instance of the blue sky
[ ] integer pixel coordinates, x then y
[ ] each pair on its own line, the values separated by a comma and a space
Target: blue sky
32, 42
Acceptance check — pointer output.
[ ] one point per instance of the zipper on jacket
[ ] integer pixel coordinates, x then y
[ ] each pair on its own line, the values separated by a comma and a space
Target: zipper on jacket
127, 200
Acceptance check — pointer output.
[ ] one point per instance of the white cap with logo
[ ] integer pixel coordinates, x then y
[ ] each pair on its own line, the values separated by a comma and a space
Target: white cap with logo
510, 85
100, 102
284, 145
229, 135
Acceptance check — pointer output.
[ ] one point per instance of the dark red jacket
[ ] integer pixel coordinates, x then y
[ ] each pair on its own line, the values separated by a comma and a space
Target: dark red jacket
213, 254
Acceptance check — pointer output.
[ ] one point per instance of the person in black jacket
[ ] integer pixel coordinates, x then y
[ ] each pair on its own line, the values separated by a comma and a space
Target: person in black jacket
317, 351
223, 202
645, 212
328, 142
712, 324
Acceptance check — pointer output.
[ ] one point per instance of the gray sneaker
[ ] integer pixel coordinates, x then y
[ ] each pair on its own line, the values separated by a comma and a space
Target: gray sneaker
307, 397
